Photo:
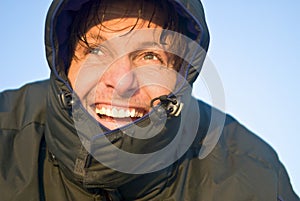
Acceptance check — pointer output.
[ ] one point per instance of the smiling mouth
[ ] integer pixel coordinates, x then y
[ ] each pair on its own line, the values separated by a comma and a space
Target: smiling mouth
120, 113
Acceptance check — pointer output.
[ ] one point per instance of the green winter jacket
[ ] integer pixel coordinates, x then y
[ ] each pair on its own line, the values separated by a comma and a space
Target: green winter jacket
49, 146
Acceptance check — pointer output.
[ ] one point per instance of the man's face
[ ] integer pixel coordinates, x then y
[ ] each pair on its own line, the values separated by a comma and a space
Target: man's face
122, 70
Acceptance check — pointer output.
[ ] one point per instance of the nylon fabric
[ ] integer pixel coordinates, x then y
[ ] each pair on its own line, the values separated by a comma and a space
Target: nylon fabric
42, 157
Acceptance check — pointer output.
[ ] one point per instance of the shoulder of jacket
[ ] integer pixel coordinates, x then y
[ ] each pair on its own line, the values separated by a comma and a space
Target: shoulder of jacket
238, 161
239, 140
23, 106
236, 139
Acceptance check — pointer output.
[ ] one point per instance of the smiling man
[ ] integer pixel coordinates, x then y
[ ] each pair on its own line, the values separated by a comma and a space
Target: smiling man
120, 62
115, 89
116, 120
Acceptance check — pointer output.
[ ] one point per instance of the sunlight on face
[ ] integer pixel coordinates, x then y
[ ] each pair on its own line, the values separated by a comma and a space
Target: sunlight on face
121, 71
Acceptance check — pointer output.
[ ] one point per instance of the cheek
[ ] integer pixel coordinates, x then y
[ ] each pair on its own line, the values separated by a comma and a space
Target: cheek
155, 91
84, 76
76, 64
160, 87
159, 81
73, 73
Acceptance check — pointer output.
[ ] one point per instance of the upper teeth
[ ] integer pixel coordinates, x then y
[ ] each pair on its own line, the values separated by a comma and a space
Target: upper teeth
119, 113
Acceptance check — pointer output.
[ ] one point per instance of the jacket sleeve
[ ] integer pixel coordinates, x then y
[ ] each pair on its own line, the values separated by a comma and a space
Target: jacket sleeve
285, 190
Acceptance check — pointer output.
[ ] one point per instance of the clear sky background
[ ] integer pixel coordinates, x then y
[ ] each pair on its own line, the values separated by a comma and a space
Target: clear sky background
255, 46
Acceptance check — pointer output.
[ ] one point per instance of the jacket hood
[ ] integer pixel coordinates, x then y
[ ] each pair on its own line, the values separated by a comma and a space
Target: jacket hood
90, 155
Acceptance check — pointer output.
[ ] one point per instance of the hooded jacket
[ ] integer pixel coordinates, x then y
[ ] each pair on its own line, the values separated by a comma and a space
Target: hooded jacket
51, 150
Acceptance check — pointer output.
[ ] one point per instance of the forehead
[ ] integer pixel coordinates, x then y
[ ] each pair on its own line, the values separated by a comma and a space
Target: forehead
116, 15
118, 18
112, 16
123, 27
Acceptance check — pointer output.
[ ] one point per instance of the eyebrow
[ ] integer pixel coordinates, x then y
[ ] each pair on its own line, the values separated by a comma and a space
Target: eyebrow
149, 44
97, 37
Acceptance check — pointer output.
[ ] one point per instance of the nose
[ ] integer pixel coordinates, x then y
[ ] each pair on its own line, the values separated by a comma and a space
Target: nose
121, 77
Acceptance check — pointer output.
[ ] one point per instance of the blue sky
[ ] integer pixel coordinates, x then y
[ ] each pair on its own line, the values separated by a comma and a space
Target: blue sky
255, 47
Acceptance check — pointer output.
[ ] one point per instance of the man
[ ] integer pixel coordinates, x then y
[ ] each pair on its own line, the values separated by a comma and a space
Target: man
116, 120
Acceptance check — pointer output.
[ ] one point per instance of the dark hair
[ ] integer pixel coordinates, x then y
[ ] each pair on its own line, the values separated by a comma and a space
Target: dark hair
94, 13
